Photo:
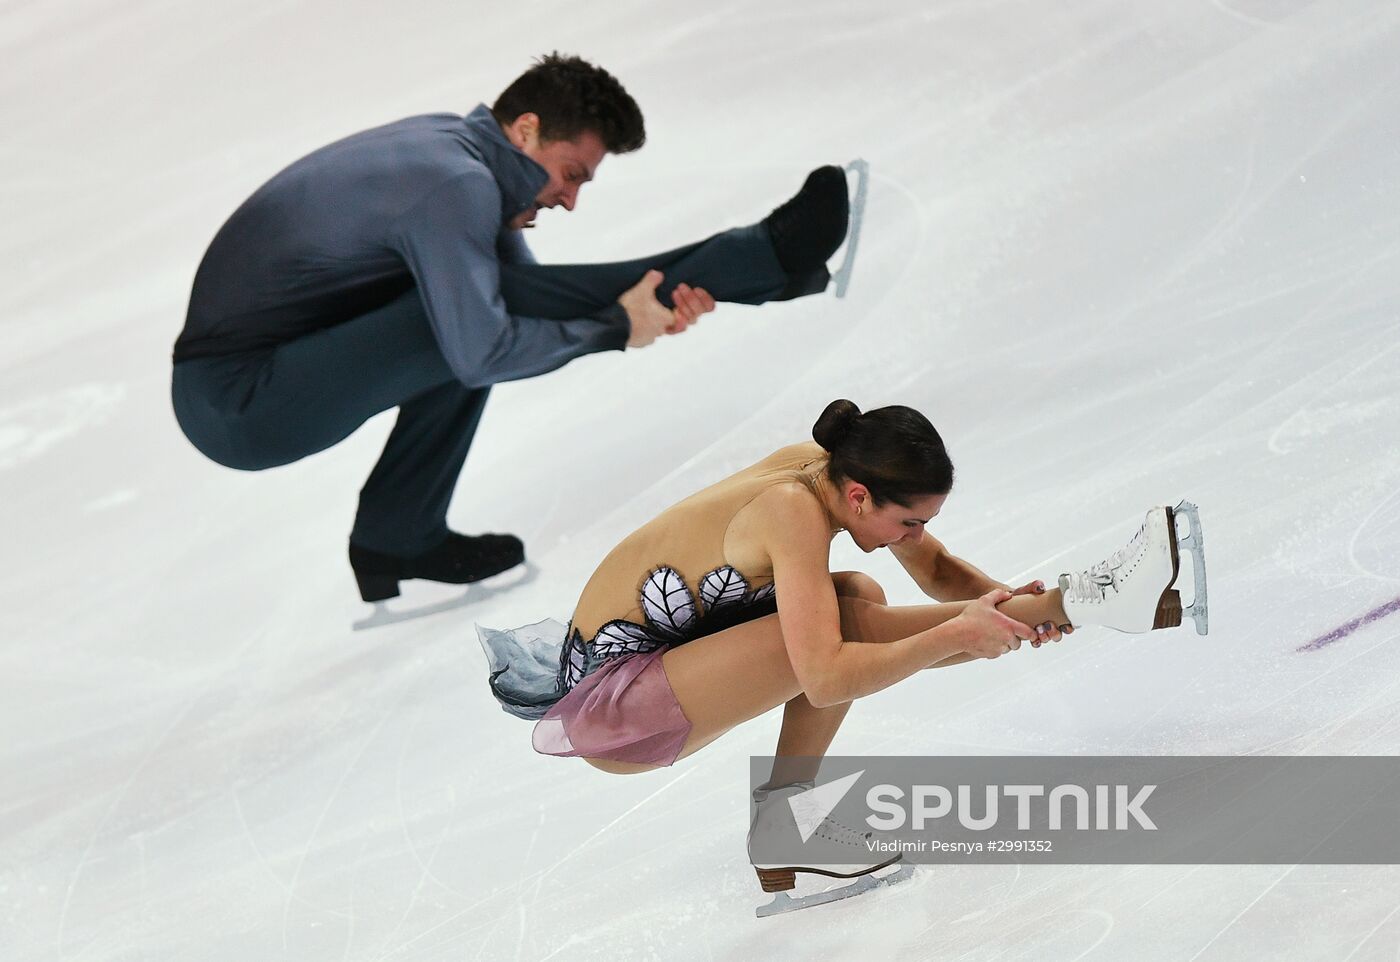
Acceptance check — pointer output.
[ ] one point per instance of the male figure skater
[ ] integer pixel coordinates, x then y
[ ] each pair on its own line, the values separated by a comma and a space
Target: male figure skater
389, 269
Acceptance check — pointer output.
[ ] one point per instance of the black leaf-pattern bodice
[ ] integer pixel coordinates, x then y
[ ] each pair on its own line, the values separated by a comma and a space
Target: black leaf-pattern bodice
672, 615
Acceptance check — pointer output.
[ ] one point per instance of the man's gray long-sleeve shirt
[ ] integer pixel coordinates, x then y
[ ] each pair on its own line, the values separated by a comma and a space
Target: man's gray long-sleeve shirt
421, 202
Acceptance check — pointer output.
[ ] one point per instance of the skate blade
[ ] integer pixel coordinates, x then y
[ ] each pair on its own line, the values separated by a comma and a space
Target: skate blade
783, 903
842, 277
1194, 543
477, 591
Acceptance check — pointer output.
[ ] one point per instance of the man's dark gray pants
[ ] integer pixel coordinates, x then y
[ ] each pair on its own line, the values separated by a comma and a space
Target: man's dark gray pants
270, 407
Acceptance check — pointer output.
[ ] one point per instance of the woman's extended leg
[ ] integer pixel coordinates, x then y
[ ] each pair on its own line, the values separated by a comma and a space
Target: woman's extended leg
740, 673
862, 620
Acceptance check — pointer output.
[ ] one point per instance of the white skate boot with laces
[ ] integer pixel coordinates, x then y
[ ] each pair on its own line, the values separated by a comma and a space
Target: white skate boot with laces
791, 817
1132, 590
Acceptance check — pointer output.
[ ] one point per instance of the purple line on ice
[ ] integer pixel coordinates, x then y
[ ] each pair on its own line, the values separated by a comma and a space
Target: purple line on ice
1337, 634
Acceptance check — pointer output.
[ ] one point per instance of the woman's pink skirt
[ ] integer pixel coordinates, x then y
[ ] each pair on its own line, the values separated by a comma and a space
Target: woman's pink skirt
625, 711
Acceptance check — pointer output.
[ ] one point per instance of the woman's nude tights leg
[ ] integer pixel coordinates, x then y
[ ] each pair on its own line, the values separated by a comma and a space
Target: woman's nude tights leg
734, 675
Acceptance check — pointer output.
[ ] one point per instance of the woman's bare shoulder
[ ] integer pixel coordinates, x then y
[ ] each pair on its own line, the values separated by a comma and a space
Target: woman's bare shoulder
786, 511
799, 453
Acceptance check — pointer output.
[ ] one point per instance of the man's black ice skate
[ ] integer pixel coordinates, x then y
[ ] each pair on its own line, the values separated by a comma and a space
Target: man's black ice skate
457, 560
808, 228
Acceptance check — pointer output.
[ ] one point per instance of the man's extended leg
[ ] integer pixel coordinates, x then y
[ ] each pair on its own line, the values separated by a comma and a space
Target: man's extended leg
779, 258
737, 266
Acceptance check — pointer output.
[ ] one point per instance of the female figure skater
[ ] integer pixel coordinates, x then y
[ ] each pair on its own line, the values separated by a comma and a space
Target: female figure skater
724, 607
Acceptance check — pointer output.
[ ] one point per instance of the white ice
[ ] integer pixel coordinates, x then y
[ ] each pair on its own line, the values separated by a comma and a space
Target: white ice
1121, 253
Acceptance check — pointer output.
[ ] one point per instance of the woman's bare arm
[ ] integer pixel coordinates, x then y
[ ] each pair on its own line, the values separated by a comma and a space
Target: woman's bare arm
792, 528
939, 573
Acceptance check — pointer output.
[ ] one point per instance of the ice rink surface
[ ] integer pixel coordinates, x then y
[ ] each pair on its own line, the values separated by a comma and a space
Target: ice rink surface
1120, 253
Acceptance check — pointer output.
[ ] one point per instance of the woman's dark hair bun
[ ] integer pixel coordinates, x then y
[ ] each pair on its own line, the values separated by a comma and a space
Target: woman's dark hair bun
835, 424
894, 451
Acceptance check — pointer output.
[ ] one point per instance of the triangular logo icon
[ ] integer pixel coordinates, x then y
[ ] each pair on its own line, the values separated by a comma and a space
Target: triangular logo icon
811, 807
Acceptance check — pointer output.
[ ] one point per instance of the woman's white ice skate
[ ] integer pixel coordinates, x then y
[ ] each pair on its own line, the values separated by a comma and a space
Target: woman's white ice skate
789, 818
1132, 590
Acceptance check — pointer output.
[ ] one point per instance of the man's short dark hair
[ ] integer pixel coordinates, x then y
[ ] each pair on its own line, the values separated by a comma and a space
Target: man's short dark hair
571, 97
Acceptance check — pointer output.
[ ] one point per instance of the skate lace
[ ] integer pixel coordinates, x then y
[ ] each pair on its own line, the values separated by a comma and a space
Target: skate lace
840, 832
1092, 585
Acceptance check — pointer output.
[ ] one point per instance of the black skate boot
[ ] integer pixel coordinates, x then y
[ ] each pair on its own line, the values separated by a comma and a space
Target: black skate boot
807, 229
457, 560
